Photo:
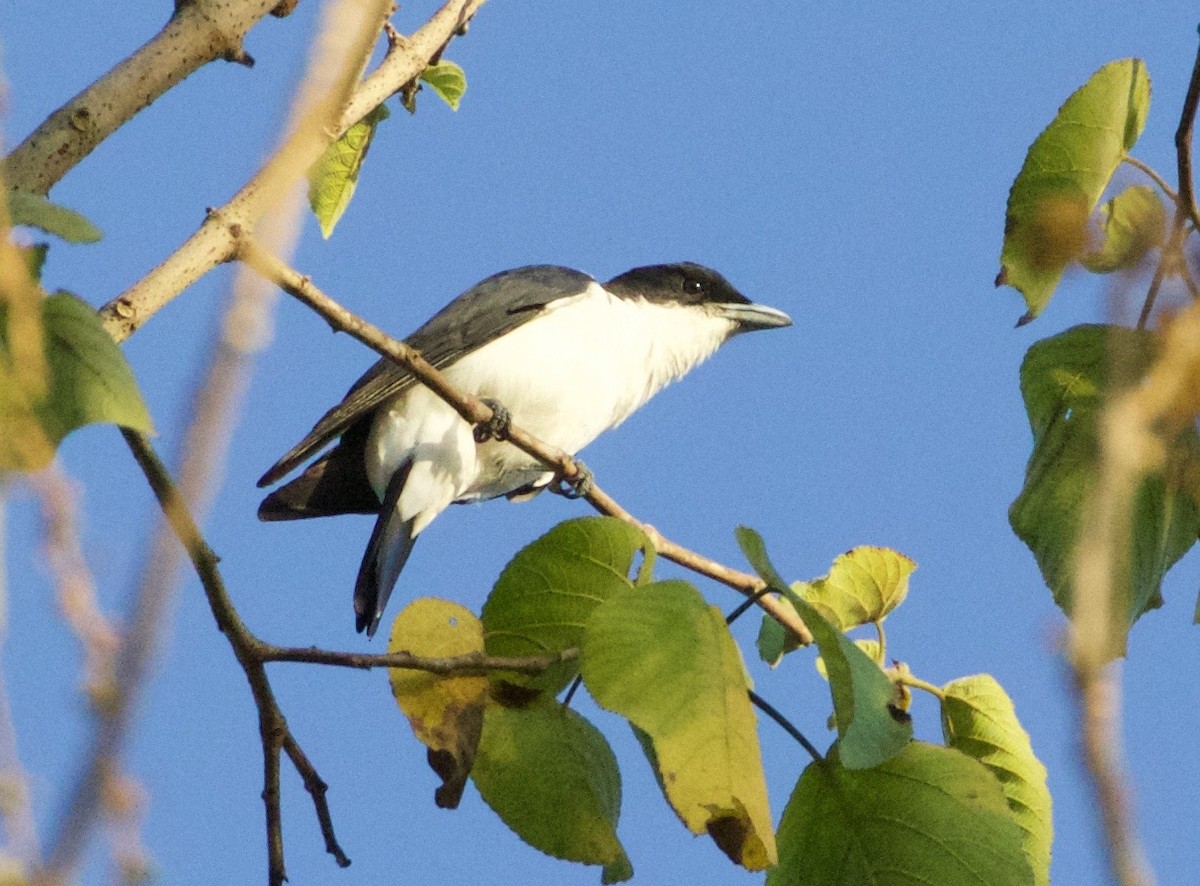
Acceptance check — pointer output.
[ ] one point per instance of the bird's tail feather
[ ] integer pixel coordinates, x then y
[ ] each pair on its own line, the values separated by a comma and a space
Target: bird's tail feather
392, 540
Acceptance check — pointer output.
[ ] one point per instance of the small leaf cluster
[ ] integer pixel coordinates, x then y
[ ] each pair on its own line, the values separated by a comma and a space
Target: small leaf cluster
334, 177
659, 656
1052, 223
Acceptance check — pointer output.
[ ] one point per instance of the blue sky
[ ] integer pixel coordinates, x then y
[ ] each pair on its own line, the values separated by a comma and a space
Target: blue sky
847, 163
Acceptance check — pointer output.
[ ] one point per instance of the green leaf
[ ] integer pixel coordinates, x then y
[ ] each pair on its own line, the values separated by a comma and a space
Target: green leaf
333, 179
929, 816
872, 723
445, 713
1063, 381
448, 80
1065, 173
862, 586
551, 777
546, 593
754, 549
35, 211
870, 648
661, 657
35, 259
978, 719
90, 382
1133, 223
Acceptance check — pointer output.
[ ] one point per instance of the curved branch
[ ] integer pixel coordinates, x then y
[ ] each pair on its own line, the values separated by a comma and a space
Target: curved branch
197, 33
475, 411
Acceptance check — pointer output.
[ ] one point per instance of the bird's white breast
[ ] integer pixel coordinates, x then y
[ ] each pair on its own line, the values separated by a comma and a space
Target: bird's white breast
579, 368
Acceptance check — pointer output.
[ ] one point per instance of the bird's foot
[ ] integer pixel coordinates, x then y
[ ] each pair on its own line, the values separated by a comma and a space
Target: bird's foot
577, 486
496, 427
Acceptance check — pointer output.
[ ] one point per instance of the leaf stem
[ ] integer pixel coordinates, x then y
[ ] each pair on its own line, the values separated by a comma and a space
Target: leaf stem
767, 708
906, 679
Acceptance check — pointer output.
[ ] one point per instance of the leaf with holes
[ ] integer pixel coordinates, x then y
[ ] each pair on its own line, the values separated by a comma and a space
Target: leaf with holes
446, 713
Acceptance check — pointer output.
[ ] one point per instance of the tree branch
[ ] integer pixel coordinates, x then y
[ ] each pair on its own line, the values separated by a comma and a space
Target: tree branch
475, 411
198, 32
215, 242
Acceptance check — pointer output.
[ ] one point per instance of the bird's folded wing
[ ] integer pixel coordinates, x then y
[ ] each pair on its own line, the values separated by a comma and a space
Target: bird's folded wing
485, 312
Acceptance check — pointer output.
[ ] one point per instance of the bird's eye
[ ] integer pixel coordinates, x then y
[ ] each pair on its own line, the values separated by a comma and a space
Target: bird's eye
693, 287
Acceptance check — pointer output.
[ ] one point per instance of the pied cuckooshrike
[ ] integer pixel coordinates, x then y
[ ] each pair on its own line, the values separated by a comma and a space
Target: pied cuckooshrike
568, 357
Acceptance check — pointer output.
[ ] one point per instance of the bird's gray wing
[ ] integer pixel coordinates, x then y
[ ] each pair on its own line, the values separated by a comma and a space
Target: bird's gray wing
487, 311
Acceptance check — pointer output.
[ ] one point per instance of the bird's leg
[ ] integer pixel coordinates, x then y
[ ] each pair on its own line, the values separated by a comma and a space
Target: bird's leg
574, 487
496, 427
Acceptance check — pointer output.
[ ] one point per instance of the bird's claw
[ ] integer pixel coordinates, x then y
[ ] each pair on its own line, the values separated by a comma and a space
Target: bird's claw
496, 427
577, 486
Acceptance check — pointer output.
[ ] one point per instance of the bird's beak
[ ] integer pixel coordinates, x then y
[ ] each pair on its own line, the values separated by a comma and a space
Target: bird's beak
749, 317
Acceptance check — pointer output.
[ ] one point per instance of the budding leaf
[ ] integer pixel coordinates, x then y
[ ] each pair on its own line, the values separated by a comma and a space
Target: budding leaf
1132, 223
448, 80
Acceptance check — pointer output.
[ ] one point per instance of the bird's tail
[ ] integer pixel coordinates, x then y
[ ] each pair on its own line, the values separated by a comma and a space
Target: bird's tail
391, 542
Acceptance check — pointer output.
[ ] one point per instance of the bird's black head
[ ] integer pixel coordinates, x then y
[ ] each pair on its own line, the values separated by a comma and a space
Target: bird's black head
683, 282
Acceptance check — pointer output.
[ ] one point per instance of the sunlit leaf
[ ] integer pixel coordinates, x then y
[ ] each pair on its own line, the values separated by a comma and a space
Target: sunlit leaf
35, 211
1132, 223
333, 179
90, 382
661, 657
872, 723
446, 713
862, 586
552, 778
978, 719
447, 80
1063, 382
928, 815
1065, 173
546, 593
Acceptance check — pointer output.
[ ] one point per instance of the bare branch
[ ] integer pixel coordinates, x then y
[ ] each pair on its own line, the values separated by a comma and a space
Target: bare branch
198, 32
475, 411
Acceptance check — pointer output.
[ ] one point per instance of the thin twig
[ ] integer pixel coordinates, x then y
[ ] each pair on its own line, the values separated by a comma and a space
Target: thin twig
763, 705
475, 664
475, 411
1153, 175
1183, 145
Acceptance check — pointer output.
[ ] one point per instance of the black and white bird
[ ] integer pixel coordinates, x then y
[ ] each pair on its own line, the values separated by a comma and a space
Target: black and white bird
568, 357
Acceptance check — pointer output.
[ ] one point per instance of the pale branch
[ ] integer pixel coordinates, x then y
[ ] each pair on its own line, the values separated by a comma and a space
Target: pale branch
475, 411
198, 32
215, 241
1136, 430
